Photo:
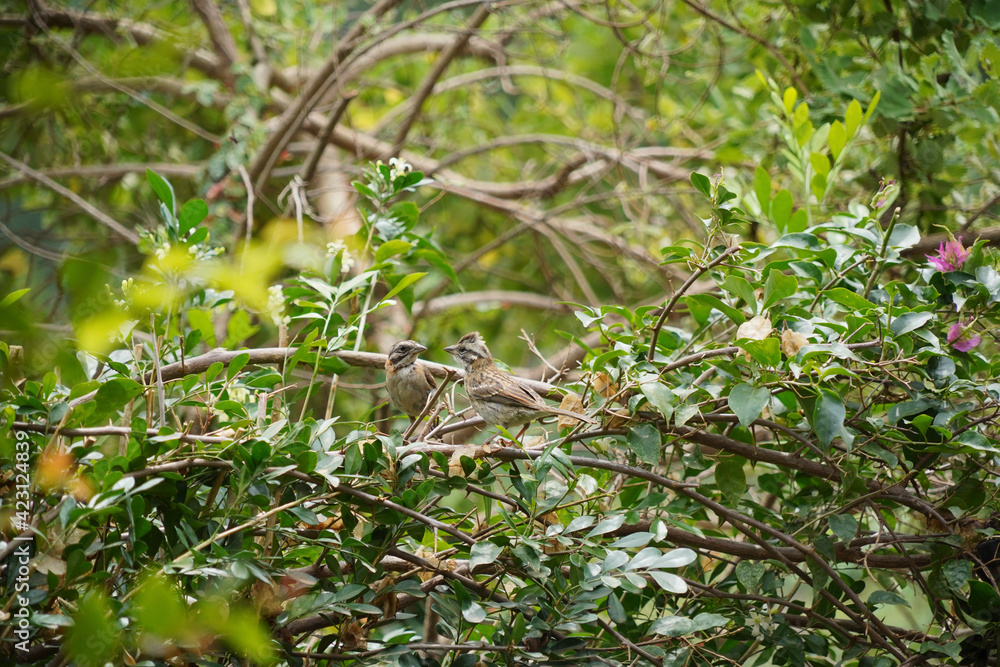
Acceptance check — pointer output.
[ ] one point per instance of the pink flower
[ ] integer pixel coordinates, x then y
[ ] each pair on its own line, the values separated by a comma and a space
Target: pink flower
951, 256
957, 336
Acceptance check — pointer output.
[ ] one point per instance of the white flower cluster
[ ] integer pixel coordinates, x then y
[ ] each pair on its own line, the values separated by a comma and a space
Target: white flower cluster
163, 250
276, 306
760, 623
127, 286
335, 248
239, 394
398, 168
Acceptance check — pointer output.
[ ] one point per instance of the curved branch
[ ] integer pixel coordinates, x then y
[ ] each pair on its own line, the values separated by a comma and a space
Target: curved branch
87, 207
106, 171
502, 298
416, 102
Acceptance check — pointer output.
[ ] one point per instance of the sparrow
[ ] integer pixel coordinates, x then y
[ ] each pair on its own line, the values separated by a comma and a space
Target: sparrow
500, 399
409, 384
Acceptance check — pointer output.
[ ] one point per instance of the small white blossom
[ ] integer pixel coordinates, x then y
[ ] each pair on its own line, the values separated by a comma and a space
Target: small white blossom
239, 394
335, 248
163, 250
760, 623
276, 306
398, 168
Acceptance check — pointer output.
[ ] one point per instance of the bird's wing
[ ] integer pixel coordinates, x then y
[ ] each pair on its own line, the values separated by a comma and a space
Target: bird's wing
503, 388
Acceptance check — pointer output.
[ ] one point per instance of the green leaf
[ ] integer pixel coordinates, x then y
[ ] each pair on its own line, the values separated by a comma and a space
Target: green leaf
749, 574
908, 322
852, 119
13, 297
403, 283
616, 612
702, 184
163, 190
405, 212
472, 611
820, 163
192, 213
844, 526
849, 299
956, 573
639, 539
837, 138
798, 222
781, 209
714, 302
828, 416
765, 352
707, 621
391, 249
236, 365
747, 402
788, 99
762, 188
438, 260
740, 287
607, 525
644, 440
886, 597
659, 397
778, 287
731, 479
112, 397
873, 104
904, 236
672, 626
483, 553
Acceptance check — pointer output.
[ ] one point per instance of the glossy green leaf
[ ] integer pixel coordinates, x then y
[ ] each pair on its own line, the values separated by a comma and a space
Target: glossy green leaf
762, 188
192, 213
837, 138
164, 191
731, 479
777, 287
13, 297
644, 441
747, 402
908, 322
701, 183
781, 209
828, 416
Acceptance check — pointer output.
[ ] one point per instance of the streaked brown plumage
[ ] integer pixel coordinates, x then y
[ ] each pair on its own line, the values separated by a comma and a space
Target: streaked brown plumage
499, 398
409, 384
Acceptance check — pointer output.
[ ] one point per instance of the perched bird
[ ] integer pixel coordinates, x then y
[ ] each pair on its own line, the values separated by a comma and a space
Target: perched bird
500, 398
409, 384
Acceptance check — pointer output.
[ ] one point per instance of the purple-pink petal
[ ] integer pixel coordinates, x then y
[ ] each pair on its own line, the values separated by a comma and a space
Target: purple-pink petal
938, 263
951, 256
967, 344
954, 332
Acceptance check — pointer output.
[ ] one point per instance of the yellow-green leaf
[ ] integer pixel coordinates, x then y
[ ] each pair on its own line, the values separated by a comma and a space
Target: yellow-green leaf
789, 99
853, 118
403, 283
820, 163
874, 103
837, 138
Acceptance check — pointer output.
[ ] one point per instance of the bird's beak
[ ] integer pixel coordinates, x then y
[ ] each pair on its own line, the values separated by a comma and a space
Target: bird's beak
450, 349
420, 348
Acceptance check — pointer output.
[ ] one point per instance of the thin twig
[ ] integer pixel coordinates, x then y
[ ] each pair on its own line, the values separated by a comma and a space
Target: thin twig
88, 208
669, 306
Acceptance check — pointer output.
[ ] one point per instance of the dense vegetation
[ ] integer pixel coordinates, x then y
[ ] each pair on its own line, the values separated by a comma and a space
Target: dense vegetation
756, 243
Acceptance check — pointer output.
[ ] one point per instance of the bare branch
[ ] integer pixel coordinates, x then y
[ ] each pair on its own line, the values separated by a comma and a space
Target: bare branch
87, 208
